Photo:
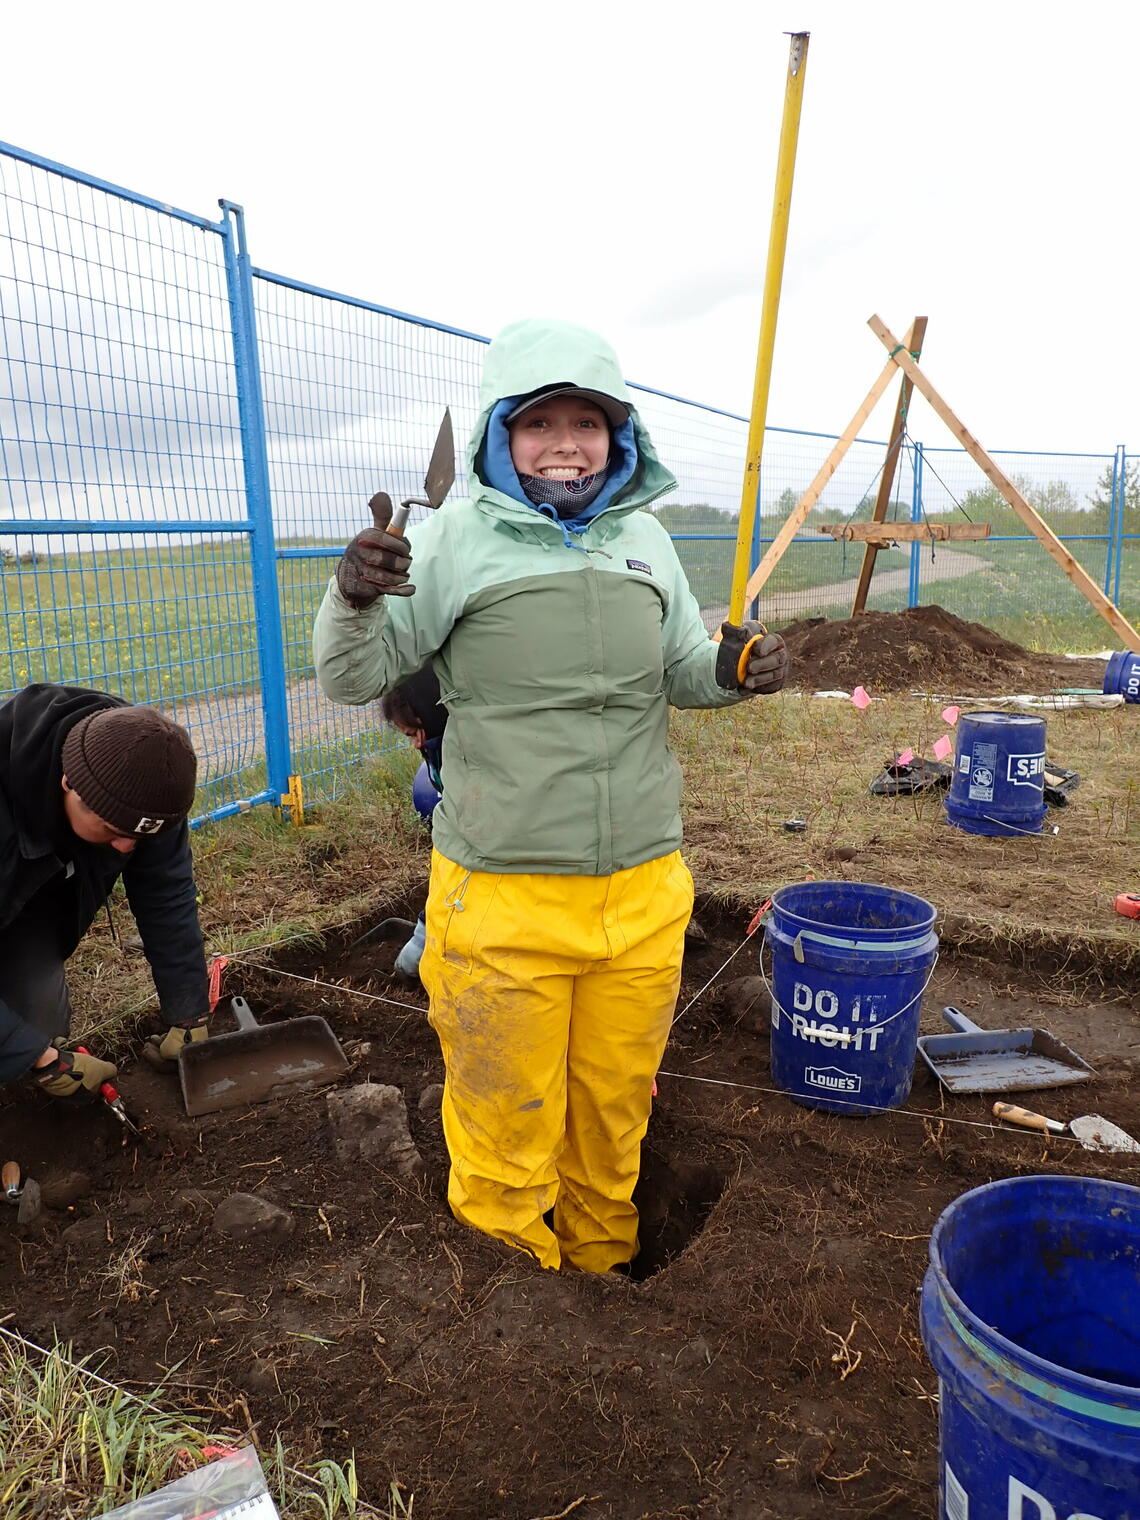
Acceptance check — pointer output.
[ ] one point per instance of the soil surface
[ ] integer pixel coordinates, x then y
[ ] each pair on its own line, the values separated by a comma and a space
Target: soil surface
763, 1359
925, 649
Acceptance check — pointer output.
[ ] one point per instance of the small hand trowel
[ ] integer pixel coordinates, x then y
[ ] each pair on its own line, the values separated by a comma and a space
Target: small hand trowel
438, 481
26, 1198
1093, 1132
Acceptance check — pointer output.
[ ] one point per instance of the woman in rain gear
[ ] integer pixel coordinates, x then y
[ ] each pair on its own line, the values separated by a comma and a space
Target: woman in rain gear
560, 624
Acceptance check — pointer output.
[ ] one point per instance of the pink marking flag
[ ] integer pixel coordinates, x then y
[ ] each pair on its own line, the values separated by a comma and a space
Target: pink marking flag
943, 748
860, 698
950, 714
905, 758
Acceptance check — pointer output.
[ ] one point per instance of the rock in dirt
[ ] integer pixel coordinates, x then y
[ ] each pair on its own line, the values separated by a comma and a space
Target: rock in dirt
749, 1003
696, 933
65, 1188
431, 1101
243, 1215
371, 1121
86, 1236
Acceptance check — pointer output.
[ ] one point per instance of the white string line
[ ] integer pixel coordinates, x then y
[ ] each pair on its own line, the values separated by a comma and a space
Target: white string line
713, 978
273, 944
682, 1076
135, 1398
873, 1108
312, 981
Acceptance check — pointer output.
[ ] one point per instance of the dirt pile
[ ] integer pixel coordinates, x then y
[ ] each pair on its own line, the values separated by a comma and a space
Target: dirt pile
924, 649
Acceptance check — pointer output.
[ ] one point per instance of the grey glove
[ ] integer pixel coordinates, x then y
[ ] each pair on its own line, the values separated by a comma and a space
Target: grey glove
376, 562
750, 659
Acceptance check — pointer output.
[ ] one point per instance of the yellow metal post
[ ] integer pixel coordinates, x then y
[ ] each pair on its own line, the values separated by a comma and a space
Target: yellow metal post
773, 279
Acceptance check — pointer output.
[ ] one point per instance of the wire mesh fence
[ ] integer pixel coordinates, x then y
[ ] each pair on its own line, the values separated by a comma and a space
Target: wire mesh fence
188, 442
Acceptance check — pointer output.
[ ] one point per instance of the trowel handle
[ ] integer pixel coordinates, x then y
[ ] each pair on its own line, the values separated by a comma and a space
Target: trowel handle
1028, 1119
399, 520
10, 1177
958, 1020
243, 1014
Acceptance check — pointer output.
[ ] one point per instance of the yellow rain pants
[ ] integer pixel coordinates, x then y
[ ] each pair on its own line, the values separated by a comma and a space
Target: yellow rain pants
552, 997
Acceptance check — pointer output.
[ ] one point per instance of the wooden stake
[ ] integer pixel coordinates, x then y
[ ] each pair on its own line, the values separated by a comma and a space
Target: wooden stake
890, 469
1040, 530
826, 470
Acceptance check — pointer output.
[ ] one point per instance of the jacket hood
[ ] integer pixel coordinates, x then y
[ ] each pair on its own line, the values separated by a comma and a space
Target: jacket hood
538, 352
33, 726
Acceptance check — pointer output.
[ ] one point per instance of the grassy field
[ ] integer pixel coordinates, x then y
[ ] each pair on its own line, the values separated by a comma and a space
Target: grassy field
178, 622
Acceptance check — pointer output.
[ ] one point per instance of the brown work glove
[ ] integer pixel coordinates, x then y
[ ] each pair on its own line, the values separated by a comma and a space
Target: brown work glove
376, 562
74, 1074
161, 1050
750, 659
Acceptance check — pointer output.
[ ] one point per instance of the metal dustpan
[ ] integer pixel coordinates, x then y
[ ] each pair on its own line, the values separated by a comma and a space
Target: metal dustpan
999, 1060
258, 1062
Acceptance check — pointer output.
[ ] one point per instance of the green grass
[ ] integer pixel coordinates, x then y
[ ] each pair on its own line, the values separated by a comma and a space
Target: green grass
153, 623
68, 1431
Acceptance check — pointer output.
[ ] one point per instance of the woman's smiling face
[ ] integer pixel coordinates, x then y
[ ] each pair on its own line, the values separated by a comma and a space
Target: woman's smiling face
564, 438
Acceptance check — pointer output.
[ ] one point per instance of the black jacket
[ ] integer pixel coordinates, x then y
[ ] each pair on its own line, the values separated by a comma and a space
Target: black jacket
45, 869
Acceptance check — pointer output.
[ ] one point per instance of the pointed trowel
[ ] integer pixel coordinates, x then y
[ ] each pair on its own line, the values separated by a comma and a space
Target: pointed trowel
438, 481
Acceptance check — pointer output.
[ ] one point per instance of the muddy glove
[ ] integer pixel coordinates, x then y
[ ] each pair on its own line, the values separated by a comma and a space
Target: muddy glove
750, 659
161, 1050
75, 1074
376, 562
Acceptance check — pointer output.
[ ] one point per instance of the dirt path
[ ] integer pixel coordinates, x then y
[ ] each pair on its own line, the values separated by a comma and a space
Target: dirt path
781, 606
229, 730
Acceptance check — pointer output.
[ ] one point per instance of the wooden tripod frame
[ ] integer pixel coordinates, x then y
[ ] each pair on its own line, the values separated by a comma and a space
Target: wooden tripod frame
899, 357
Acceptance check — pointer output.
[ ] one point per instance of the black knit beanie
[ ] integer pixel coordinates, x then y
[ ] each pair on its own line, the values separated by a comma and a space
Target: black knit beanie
132, 766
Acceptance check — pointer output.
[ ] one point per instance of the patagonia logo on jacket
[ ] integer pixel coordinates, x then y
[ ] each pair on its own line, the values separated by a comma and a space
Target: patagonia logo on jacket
639, 564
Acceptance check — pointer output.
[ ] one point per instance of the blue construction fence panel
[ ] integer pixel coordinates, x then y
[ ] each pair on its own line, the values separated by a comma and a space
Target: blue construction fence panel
124, 561
188, 441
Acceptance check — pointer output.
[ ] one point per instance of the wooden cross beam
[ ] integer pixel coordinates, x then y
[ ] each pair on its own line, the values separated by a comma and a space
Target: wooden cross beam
899, 354
876, 534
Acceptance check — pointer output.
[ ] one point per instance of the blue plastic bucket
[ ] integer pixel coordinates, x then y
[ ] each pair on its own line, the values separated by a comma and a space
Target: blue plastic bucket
998, 786
1122, 675
1030, 1317
850, 962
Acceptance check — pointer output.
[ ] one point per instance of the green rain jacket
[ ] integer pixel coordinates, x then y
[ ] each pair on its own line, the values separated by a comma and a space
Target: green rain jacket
557, 666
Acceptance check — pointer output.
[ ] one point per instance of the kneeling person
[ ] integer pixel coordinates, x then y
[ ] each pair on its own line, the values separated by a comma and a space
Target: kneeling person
91, 789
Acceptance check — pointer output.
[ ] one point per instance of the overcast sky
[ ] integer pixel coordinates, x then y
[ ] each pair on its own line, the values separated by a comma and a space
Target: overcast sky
613, 164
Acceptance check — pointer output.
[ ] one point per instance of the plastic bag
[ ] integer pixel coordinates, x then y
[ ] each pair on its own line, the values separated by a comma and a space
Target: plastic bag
232, 1488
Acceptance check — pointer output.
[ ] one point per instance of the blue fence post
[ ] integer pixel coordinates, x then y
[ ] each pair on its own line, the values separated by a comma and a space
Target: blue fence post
1120, 482
915, 517
255, 466
1113, 516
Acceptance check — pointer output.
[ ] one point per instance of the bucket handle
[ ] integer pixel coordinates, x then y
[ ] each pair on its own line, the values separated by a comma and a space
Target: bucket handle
844, 1039
866, 945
